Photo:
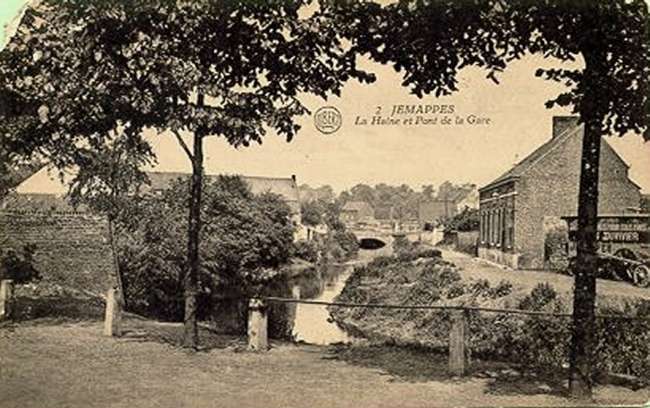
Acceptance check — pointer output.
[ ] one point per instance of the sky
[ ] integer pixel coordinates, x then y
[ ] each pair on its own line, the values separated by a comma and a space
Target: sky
8, 10
410, 154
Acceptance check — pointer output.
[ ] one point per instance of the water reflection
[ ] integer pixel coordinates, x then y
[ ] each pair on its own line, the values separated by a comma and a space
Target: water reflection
312, 323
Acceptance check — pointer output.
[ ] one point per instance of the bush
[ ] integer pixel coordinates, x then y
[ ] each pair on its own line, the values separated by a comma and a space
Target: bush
623, 345
306, 250
455, 290
19, 267
555, 241
348, 243
503, 288
534, 342
480, 288
246, 239
429, 253
540, 296
467, 220
448, 276
381, 262
407, 256
401, 245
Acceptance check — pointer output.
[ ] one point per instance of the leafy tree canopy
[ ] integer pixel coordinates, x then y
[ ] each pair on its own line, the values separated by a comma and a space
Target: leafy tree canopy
88, 71
430, 41
244, 240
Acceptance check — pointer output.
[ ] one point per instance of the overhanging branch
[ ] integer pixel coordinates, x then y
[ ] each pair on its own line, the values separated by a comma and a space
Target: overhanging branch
183, 145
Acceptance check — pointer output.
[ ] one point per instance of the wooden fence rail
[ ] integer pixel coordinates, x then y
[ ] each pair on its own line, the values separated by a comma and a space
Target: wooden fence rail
459, 351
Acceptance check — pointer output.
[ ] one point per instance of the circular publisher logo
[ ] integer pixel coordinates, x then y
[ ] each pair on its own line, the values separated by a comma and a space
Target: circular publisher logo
328, 119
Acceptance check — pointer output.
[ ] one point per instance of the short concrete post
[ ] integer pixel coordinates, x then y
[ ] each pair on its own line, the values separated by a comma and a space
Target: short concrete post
6, 299
113, 315
257, 326
458, 350
295, 291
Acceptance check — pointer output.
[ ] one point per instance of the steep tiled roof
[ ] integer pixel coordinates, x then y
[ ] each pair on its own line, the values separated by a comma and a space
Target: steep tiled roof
34, 202
283, 186
286, 187
357, 206
530, 160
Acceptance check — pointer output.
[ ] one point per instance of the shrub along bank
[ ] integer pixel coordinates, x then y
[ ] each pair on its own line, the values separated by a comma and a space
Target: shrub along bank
539, 342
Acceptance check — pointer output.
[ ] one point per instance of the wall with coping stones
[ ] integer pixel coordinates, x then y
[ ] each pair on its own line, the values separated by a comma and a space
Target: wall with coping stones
72, 249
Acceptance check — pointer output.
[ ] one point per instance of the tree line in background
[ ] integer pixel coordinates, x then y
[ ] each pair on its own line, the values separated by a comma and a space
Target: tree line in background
388, 201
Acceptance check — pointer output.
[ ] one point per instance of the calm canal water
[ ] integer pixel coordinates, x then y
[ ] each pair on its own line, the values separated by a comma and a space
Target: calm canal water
312, 323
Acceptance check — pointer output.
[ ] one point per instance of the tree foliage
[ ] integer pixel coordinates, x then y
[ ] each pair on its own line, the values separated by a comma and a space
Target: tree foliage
467, 220
86, 69
430, 41
312, 212
91, 73
245, 240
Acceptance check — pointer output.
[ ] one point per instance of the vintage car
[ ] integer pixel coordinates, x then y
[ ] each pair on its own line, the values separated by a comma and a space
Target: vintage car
624, 247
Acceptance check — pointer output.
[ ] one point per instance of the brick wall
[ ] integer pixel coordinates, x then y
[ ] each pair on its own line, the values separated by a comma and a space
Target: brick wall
73, 249
550, 188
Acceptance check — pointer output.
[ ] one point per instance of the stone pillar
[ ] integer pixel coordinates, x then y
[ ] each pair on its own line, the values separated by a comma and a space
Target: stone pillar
113, 315
6, 299
257, 326
458, 350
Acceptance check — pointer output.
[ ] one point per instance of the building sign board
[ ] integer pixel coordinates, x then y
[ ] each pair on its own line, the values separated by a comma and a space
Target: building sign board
617, 229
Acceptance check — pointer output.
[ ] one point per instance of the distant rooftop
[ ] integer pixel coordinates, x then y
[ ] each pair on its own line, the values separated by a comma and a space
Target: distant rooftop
356, 206
283, 186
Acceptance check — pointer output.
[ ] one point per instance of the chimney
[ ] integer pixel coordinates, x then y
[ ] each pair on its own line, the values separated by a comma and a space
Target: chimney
563, 123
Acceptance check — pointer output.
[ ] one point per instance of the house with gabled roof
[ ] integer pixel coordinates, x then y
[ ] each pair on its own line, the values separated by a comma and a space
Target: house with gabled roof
518, 206
355, 212
285, 187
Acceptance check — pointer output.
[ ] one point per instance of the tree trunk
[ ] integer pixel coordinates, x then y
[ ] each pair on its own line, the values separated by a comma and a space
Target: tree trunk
191, 335
584, 295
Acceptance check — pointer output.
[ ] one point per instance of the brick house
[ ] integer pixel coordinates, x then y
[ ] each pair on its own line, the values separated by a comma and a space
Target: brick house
354, 212
432, 212
517, 208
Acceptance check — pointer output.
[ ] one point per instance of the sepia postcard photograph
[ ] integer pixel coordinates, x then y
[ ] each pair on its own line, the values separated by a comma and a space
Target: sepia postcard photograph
324, 203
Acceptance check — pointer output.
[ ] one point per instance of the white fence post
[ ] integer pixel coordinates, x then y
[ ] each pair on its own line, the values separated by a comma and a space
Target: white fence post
295, 292
257, 326
113, 315
458, 350
6, 299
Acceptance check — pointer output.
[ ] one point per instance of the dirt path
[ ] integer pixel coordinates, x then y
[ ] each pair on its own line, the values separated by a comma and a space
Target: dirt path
475, 268
73, 365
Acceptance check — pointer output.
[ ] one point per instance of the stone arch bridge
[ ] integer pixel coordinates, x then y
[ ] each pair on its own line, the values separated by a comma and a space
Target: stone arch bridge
376, 239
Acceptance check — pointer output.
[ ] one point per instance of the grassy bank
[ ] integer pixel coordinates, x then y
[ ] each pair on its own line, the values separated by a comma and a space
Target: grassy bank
533, 341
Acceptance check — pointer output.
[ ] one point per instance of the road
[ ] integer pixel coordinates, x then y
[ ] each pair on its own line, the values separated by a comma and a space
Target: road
475, 268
